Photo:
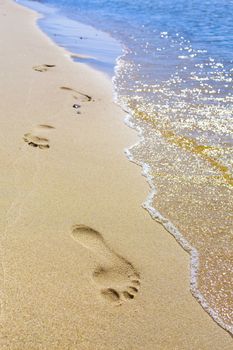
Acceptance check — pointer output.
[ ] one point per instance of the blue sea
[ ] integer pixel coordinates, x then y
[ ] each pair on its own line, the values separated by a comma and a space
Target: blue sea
172, 69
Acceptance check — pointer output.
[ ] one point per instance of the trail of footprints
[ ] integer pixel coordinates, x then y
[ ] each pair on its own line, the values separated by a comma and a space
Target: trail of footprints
39, 136
77, 95
118, 279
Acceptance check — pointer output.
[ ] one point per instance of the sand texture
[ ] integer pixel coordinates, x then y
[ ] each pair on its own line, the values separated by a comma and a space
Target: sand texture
83, 266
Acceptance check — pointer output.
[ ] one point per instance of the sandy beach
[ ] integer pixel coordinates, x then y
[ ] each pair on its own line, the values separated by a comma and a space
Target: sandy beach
83, 266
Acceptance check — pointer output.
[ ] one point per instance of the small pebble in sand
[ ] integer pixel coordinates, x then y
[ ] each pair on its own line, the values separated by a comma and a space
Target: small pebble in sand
76, 106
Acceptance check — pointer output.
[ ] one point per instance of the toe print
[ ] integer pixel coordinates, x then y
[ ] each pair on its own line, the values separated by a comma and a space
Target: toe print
110, 295
117, 278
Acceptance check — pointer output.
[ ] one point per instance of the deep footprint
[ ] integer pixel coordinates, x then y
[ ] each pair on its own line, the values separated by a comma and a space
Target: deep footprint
36, 141
43, 67
38, 138
117, 277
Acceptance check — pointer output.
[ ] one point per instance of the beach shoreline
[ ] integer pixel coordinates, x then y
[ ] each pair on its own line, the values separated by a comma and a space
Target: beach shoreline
83, 265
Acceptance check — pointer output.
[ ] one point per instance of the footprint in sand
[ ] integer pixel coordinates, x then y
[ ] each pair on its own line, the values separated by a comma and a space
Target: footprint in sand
38, 137
77, 95
43, 67
117, 277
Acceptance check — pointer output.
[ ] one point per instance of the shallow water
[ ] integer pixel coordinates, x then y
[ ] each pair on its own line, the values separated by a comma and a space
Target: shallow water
175, 77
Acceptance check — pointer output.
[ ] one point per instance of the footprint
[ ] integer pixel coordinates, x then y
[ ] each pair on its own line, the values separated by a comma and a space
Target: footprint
38, 137
43, 67
118, 279
36, 141
78, 95
45, 126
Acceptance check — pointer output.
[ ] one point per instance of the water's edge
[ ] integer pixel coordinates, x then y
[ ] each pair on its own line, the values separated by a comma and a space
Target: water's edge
157, 216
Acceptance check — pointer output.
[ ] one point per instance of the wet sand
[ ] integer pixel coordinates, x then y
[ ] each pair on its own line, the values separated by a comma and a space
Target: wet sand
83, 266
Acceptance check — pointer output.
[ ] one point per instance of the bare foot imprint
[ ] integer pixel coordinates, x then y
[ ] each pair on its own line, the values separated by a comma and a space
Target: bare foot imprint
117, 277
77, 95
43, 67
38, 137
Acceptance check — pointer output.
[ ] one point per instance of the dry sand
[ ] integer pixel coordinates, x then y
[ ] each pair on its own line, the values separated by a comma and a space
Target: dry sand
74, 237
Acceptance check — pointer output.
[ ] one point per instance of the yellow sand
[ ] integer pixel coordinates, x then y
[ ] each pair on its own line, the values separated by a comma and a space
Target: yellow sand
73, 234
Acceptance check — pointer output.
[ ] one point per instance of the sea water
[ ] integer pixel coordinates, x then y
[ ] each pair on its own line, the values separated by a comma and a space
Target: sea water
174, 76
